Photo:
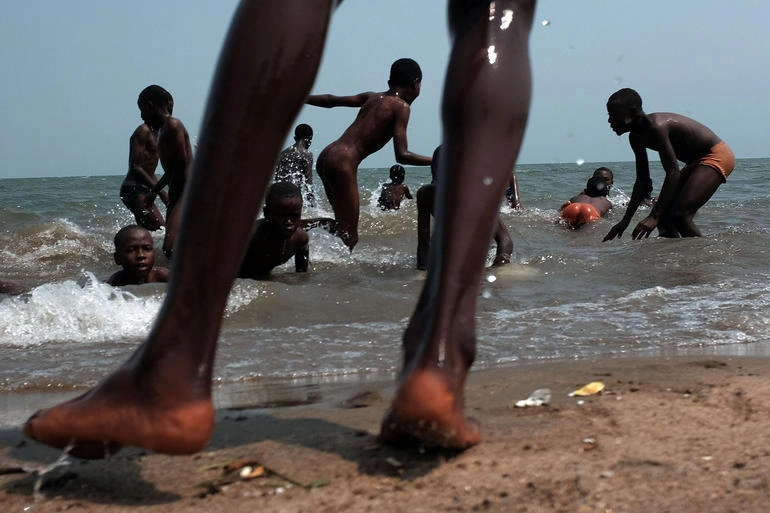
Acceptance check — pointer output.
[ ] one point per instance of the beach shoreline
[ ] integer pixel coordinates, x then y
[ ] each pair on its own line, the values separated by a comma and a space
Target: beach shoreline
683, 433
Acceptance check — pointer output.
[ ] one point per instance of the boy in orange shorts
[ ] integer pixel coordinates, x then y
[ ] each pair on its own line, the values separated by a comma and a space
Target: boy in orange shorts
589, 205
709, 161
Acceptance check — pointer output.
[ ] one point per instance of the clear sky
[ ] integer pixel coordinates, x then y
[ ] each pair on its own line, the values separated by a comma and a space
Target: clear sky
72, 71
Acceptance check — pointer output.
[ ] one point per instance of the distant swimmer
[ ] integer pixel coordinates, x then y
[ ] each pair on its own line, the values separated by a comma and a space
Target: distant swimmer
393, 193
589, 205
708, 162
382, 116
135, 253
295, 164
143, 159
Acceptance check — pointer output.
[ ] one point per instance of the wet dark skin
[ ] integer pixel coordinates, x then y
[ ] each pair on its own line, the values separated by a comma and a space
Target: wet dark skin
160, 399
675, 138
136, 255
175, 154
382, 116
425, 201
143, 160
276, 239
392, 195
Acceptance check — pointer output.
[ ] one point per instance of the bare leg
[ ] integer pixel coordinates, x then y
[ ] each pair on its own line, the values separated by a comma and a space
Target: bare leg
161, 398
486, 102
702, 182
340, 183
504, 244
174, 215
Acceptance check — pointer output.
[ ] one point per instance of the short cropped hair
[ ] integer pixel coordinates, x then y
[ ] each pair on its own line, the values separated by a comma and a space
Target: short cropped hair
598, 172
157, 95
405, 72
303, 131
397, 173
280, 190
596, 186
123, 233
626, 97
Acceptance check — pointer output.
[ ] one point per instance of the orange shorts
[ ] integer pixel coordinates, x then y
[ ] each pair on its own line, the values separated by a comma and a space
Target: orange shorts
578, 214
720, 157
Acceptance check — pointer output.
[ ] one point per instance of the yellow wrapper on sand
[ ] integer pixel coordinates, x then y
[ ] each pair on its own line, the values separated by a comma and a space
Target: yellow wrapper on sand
590, 389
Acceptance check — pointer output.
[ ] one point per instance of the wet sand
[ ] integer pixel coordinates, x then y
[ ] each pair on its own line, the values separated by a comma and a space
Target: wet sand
677, 434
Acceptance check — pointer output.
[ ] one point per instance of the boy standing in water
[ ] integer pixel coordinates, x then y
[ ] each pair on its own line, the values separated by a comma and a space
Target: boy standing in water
425, 205
278, 236
383, 116
394, 192
142, 161
175, 156
709, 161
160, 398
295, 164
135, 253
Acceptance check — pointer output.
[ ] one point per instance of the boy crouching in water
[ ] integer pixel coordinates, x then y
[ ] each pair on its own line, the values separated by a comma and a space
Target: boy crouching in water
135, 253
278, 236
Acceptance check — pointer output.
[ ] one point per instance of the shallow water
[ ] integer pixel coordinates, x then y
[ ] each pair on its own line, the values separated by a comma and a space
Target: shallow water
566, 295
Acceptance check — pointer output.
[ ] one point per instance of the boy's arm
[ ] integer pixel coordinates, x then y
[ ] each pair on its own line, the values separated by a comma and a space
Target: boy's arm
515, 201
302, 259
329, 100
640, 188
400, 144
671, 166
407, 192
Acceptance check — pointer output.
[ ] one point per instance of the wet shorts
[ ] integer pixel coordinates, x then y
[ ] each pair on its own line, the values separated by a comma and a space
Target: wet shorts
720, 157
129, 191
578, 214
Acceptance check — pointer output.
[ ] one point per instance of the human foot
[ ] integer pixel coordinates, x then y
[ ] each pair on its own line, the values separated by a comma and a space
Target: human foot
426, 410
117, 413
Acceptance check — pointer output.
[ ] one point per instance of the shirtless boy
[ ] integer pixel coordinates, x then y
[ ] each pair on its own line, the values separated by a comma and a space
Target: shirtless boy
160, 398
709, 161
383, 116
142, 162
425, 205
589, 205
135, 253
393, 193
278, 236
295, 164
175, 156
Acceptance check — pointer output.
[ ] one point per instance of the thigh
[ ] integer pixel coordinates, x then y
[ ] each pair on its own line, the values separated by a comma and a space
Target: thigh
699, 185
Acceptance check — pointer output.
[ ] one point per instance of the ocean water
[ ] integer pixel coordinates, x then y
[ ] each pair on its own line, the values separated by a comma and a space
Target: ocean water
566, 294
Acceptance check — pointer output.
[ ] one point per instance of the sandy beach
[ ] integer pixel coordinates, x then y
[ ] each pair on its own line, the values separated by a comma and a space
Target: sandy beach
677, 434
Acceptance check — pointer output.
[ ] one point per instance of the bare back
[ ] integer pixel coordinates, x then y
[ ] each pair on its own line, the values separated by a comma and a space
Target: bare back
689, 139
143, 155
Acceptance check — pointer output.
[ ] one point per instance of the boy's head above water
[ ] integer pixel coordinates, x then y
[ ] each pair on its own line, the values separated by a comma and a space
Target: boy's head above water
397, 173
154, 103
596, 187
283, 207
605, 174
624, 107
134, 250
406, 76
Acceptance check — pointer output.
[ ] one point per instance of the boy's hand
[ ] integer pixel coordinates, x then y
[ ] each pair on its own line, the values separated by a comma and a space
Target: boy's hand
616, 231
644, 228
